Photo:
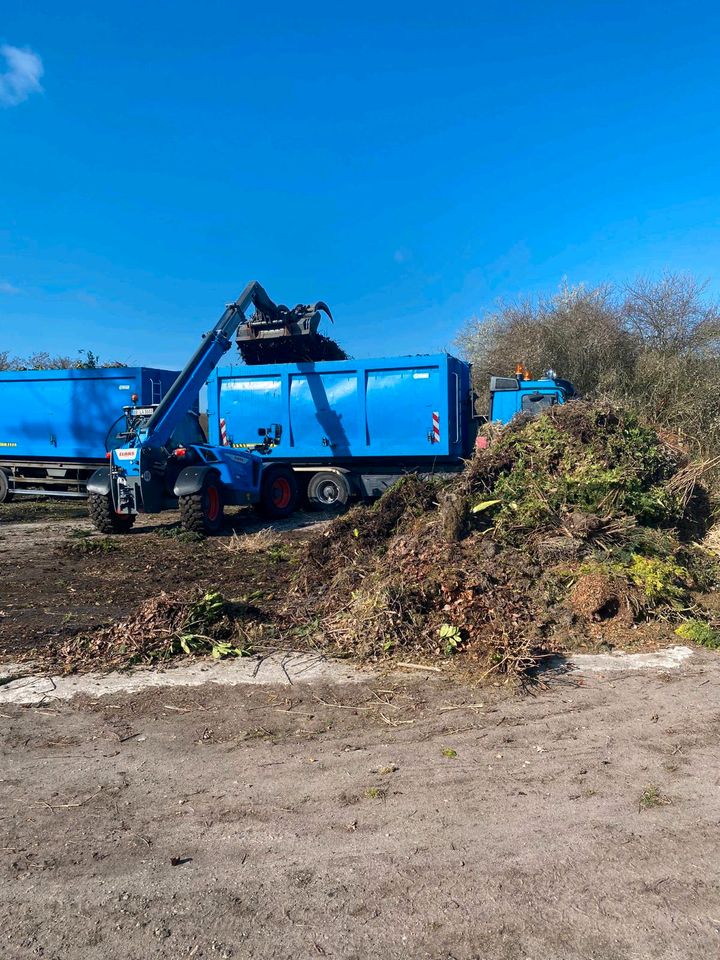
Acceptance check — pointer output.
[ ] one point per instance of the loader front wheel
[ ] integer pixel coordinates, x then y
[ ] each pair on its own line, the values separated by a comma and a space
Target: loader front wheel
203, 512
103, 515
279, 494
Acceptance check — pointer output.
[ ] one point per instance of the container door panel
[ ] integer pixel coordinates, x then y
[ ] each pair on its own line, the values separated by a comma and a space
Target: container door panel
68, 418
248, 404
400, 405
25, 427
324, 414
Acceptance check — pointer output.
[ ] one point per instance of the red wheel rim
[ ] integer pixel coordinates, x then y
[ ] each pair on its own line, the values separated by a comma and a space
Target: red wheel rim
281, 492
213, 504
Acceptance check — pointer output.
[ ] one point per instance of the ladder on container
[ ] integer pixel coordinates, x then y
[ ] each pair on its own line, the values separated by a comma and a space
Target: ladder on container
155, 391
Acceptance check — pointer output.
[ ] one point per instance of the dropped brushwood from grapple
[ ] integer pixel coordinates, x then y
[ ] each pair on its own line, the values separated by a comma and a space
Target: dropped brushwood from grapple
570, 529
278, 334
163, 628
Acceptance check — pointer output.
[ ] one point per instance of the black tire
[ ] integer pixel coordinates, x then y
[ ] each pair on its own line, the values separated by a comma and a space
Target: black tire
203, 512
6, 494
102, 513
328, 490
279, 493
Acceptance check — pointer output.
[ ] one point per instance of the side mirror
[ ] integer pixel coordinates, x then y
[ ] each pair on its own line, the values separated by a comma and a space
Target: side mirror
262, 432
277, 431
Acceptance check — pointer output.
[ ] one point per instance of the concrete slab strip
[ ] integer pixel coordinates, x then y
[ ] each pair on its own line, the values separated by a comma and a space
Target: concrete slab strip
279, 669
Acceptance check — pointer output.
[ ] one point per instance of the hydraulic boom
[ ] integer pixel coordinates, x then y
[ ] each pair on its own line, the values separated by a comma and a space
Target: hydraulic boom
181, 396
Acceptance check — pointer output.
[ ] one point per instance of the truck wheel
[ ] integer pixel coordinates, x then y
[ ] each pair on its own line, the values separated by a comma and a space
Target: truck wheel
102, 513
6, 494
329, 491
279, 493
202, 512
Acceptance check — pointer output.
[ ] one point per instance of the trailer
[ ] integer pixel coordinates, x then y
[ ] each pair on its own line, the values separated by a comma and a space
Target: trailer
56, 425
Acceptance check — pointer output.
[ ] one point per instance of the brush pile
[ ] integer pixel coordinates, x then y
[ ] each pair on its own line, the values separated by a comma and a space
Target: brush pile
311, 348
164, 627
569, 528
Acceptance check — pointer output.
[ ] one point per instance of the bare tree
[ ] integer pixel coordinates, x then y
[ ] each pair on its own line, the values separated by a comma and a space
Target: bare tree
672, 315
578, 332
654, 344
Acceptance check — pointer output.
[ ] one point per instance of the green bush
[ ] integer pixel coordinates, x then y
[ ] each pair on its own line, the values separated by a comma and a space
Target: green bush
663, 581
698, 631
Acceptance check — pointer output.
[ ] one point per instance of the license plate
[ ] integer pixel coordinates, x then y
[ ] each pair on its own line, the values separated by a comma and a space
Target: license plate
143, 411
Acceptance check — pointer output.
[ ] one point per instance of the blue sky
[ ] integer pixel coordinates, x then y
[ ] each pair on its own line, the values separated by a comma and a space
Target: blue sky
407, 163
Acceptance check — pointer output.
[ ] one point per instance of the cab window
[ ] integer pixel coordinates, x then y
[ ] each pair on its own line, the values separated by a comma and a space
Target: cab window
536, 403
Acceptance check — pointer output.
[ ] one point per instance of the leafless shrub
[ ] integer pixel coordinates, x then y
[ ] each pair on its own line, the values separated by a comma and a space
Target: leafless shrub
653, 344
43, 360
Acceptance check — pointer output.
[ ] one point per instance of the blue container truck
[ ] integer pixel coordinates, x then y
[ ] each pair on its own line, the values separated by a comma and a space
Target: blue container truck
345, 428
348, 427
351, 428
55, 425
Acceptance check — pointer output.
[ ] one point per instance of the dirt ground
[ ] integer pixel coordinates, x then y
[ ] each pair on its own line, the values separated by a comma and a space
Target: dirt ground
395, 817
397, 814
53, 586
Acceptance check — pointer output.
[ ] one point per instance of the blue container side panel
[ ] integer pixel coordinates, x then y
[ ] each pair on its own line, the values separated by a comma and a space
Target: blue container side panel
400, 405
345, 409
324, 417
463, 400
66, 414
247, 403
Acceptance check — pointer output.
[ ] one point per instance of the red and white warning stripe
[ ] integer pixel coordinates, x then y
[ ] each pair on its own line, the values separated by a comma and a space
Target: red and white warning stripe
436, 427
223, 433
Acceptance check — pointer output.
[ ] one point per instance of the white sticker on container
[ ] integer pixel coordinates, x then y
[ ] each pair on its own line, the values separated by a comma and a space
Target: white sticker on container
421, 376
123, 386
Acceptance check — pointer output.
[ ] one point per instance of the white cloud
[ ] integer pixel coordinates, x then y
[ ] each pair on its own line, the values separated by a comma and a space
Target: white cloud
6, 287
402, 255
21, 75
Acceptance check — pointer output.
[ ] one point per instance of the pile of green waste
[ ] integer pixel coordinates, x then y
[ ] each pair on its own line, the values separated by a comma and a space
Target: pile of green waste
572, 528
164, 627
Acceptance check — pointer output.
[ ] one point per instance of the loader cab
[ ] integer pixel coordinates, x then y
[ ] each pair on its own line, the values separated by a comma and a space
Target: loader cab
520, 394
135, 419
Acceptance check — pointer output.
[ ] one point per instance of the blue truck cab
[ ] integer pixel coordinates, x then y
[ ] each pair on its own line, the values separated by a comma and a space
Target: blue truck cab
512, 395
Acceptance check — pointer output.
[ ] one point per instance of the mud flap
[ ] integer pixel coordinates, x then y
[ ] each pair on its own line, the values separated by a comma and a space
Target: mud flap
191, 479
99, 482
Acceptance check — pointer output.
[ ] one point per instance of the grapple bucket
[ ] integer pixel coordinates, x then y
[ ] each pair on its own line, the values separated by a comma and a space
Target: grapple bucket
277, 334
